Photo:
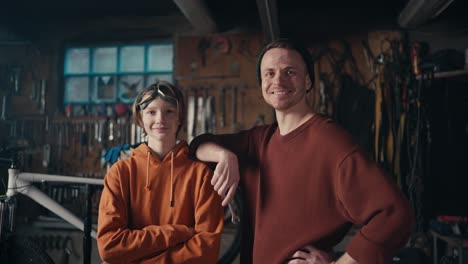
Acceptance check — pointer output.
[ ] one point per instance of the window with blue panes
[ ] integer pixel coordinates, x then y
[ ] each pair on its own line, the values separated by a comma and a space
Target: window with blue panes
96, 75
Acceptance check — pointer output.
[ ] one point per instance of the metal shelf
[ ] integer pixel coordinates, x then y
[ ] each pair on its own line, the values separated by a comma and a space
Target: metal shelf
448, 74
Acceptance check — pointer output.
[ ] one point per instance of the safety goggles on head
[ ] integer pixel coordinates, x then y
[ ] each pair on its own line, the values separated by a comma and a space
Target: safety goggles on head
164, 91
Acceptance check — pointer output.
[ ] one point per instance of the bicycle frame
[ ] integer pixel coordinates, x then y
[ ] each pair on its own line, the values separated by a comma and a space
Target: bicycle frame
20, 182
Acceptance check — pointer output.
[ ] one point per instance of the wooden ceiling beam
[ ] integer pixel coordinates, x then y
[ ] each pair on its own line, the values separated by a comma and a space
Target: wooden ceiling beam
418, 12
268, 12
198, 15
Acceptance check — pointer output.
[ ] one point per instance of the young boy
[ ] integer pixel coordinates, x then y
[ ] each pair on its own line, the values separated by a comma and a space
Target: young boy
158, 206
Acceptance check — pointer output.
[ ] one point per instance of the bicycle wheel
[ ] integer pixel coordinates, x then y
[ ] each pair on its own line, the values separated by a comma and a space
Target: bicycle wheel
22, 250
231, 236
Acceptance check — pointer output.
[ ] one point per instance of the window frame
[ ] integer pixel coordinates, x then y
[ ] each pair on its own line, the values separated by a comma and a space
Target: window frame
118, 73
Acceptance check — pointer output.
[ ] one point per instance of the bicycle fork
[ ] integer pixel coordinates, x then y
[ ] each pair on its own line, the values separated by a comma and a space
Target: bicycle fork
7, 205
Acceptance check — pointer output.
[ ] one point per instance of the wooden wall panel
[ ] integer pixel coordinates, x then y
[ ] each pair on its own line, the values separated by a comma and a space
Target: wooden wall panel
218, 61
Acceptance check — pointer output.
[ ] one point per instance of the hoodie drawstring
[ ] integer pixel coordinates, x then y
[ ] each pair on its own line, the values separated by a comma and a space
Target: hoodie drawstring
172, 175
147, 170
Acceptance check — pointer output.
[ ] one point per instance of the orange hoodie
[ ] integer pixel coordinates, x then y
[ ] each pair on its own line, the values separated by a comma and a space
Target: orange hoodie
154, 211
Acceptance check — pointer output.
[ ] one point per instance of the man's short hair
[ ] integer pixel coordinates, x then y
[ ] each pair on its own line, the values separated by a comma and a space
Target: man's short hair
291, 45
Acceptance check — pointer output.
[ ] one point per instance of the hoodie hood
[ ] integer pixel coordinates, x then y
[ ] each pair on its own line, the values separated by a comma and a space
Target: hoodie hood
178, 154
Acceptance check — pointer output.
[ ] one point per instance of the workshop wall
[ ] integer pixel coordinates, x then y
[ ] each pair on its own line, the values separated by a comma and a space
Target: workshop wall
217, 67
33, 119
221, 67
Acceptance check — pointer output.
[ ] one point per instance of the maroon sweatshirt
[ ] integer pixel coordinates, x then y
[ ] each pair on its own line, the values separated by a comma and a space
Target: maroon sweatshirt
310, 187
